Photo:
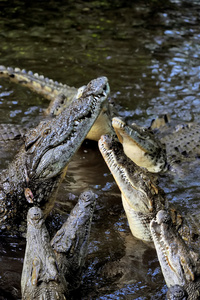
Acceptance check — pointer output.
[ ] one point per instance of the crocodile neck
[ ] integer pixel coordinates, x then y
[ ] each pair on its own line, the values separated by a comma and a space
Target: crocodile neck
36, 169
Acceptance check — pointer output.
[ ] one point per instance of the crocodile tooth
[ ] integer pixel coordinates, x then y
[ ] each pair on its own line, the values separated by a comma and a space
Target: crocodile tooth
2, 68
56, 82
17, 70
41, 76
50, 81
47, 79
24, 71
30, 73
36, 75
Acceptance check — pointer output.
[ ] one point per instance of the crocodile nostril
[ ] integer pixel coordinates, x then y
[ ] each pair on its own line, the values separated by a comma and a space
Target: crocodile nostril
36, 215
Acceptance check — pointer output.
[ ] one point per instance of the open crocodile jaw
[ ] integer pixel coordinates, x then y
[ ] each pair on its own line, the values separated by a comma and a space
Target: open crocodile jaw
134, 185
125, 172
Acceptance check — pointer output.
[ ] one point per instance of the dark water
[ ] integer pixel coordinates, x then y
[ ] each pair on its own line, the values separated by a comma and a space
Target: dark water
150, 55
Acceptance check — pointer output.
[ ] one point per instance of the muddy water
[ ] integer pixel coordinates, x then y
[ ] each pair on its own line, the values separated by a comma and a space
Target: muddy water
151, 57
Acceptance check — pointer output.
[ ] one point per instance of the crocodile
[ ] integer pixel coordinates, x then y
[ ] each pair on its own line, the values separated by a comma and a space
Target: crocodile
179, 264
36, 170
60, 95
182, 140
161, 147
141, 195
52, 269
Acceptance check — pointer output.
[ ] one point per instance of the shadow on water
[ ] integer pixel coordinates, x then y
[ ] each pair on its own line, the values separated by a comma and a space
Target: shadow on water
149, 53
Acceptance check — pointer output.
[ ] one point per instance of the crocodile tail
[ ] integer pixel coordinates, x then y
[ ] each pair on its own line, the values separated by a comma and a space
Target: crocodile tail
37, 83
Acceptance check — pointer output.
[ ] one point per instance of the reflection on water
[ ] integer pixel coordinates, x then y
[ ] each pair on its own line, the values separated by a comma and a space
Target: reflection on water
151, 60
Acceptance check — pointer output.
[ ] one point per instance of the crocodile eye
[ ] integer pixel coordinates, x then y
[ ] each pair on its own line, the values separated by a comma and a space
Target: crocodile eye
46, 131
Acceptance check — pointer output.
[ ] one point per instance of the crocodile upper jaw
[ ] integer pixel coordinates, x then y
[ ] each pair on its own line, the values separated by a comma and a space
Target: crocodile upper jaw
139, 193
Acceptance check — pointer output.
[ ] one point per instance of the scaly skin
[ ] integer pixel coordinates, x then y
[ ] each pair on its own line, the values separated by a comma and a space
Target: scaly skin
179, 264
37, 168
51, 270
141, 197
60, 95
41, 278
38, 83
182, 140
161, 149
70, 243
141, 146
11, 132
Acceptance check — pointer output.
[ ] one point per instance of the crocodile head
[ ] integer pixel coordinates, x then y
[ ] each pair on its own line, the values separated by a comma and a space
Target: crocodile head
41, 278
178, 262
140, 195
141, 146
48, 149
70, 243
51, 145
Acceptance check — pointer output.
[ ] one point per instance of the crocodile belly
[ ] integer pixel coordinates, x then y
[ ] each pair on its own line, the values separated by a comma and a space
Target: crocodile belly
138, 222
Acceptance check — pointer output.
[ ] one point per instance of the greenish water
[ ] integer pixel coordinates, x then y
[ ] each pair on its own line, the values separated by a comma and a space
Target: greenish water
151, 58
